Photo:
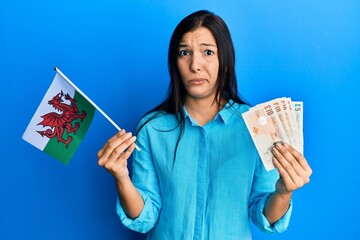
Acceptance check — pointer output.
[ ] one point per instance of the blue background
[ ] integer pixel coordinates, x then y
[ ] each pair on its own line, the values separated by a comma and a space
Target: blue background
116, 52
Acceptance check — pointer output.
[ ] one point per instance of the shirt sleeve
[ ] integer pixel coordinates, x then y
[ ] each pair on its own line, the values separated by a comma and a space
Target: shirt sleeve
145, 180
263, 186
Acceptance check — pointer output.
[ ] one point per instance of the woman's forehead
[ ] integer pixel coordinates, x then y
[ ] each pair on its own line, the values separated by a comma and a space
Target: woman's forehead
198, 36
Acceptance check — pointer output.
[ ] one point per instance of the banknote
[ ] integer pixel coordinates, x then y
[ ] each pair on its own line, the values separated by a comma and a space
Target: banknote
277, 120
298, 109
284, 120
263, 132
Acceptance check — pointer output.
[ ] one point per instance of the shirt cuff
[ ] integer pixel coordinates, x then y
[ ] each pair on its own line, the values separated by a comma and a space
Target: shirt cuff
144, 222
281, 225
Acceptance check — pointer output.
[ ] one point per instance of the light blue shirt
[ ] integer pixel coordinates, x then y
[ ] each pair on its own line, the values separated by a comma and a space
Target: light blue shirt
211, 190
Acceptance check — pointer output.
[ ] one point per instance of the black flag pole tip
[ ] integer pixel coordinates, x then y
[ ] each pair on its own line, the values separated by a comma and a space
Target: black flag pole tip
55, 68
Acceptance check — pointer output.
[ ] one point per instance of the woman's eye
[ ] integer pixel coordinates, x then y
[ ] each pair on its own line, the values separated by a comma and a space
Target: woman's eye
183, 53
209, 52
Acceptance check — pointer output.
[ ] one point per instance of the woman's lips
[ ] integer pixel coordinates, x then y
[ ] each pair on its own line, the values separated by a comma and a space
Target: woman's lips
197, 81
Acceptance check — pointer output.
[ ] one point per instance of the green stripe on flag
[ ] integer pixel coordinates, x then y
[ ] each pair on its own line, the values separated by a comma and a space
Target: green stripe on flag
58, 149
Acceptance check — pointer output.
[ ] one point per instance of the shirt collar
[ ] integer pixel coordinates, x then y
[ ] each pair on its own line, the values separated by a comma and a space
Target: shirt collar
187, 115
224, 114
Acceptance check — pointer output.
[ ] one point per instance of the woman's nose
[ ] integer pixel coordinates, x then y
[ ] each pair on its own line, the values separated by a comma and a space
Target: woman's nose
196, 63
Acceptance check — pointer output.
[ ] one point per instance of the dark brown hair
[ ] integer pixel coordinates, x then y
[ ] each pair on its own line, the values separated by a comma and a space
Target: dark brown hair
226, 82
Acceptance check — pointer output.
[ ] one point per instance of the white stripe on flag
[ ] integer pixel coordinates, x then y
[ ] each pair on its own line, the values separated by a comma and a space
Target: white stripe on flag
31, 135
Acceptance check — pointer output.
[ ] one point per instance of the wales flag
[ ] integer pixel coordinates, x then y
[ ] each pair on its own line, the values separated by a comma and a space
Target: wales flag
61, 120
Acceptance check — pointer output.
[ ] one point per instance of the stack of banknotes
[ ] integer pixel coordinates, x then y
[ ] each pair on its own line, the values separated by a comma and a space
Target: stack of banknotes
278, 120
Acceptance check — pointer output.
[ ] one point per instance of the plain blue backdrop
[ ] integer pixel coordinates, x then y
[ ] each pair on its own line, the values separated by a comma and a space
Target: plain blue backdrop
116, 52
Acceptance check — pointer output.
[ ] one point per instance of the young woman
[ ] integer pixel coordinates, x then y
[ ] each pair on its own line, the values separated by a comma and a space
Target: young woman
198, 174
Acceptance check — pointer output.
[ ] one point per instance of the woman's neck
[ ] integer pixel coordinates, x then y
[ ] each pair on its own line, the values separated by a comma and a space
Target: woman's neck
203, 110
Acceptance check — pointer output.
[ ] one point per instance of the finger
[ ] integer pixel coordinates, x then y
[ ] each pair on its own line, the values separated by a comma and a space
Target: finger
299, 158
114, 142
121, 144
128, 152
111, 149
290, 164
117, 135
114, 151
120, 164
284, 151
285, 167
288, 184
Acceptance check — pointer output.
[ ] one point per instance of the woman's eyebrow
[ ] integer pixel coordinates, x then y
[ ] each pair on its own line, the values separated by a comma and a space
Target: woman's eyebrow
209, 45
181, 45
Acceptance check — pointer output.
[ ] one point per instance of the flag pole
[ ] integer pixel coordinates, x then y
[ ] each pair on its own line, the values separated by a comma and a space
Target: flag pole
90, 101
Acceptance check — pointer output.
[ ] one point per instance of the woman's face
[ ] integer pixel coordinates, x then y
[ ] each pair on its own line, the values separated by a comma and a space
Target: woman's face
198, 63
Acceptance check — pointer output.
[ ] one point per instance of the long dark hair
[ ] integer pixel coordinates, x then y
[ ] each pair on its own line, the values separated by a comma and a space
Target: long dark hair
226, 82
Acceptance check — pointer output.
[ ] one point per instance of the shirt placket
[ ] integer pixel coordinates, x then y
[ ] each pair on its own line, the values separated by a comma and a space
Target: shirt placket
201, 187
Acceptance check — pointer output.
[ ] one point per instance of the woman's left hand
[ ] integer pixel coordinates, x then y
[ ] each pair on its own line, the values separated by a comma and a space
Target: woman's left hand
293, 168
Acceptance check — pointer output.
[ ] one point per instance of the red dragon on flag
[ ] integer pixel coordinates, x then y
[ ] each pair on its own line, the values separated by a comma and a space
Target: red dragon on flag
59, 122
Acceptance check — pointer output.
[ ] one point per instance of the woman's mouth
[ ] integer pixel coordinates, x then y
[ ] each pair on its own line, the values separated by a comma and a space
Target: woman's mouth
197, 81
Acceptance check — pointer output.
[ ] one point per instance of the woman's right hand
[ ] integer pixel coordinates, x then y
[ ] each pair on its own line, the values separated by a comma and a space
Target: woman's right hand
114, 154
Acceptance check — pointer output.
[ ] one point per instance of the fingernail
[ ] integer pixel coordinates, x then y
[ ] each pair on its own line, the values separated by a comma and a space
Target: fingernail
279, 146
128, 134
286, 145
275, 151
275, 160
